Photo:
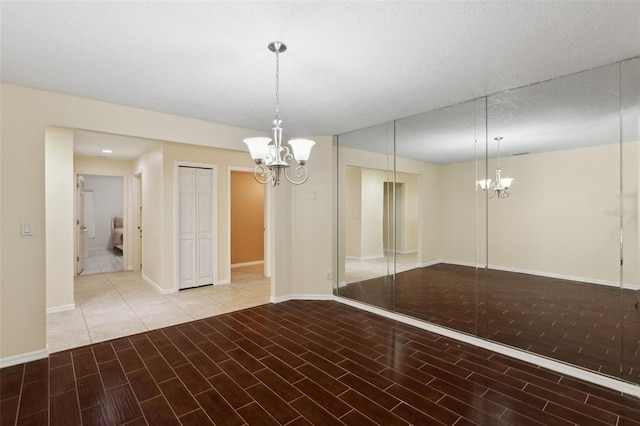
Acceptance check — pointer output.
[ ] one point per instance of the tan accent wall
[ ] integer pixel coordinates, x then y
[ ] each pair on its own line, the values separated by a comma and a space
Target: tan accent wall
247, 218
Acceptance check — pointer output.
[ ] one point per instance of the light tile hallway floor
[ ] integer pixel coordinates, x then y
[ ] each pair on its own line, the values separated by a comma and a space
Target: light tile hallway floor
111, 305
106, 260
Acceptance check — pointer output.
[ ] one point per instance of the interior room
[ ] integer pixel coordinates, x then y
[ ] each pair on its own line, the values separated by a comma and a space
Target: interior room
328, 213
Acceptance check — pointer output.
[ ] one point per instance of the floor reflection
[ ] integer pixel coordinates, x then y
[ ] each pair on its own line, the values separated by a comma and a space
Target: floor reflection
569, 321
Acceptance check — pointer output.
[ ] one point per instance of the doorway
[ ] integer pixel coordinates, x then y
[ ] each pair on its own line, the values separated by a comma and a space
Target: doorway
100, 224
247, 226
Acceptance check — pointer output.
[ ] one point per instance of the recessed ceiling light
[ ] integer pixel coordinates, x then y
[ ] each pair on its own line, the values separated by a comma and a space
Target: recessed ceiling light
107, 151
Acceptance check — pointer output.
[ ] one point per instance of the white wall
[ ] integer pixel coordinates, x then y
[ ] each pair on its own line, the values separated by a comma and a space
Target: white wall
108, 201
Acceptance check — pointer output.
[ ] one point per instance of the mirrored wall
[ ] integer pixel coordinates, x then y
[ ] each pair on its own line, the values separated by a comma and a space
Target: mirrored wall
512, 217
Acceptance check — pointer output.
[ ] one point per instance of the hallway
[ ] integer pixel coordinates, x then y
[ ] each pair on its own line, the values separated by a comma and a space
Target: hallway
117, 304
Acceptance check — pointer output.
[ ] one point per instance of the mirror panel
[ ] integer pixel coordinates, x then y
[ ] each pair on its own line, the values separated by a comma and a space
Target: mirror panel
439, 148
539, 269
367, 216
553, 249
630, 107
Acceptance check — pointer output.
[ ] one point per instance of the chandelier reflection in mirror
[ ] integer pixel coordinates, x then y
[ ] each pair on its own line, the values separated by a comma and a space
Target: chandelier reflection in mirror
271, 157
499, 187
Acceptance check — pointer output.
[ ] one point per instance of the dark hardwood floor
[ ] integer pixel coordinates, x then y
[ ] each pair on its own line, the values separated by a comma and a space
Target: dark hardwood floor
593, 326
298, 363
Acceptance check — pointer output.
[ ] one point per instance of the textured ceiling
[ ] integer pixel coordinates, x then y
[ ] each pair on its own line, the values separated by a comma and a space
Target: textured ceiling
349, 64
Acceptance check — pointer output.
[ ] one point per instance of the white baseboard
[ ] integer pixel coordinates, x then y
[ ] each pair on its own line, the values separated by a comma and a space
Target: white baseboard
222, 282
402, 251
22, 358
239, 265
375, 256
544, 274
156, 287
429, 263
129, 268
61, 308
342, 284
548, 363
280, 299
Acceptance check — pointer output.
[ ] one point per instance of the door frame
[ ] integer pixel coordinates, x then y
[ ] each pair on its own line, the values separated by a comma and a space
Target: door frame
136, 221
80, 225
267, 227
176, 224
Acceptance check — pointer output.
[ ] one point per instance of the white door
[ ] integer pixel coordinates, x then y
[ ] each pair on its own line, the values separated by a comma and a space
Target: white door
195, 227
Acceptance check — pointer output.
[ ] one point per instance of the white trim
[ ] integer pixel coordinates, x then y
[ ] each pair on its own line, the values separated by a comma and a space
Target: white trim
430, 263
280, 299
61, 308
562, 368
401, 251
22, 358
214, 218
342, 284
156, 287
239, 265
375, 256
543, 274
223, 282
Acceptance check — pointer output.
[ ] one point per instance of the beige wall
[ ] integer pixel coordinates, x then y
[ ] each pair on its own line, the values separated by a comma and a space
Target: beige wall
247, 218
422, 231
568, 230
560, 219
26, 113
353, 212
59, 224
149, 166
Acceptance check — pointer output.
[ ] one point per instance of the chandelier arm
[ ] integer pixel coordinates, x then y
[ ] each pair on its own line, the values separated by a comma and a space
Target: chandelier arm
286, 153
260, 175
300, 172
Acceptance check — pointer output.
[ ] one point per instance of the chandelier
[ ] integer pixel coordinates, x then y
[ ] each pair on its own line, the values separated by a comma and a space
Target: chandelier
499, 187
271, 157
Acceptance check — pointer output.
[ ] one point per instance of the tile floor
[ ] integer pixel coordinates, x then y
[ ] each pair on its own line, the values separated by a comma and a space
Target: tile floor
299, 363
589, 325
107, 260
116, 304
360, 270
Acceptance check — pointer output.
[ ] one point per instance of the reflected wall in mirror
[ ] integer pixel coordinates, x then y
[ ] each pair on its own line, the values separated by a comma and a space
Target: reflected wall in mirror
554, 246
541, 269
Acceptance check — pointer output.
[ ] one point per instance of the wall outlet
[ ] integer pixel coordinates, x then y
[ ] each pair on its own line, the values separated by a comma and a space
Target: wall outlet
329, 275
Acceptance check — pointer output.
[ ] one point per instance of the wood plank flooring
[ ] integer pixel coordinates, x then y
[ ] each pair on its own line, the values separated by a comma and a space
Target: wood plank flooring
298, 363
593, 326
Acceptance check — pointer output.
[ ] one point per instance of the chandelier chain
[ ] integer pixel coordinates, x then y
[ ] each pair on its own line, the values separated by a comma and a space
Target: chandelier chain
277, 86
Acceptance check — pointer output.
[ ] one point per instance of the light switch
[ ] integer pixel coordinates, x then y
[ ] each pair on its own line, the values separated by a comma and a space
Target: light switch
26, 228
312, 195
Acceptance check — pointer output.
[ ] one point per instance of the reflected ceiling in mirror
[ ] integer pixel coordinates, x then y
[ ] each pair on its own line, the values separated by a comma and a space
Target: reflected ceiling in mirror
574, 111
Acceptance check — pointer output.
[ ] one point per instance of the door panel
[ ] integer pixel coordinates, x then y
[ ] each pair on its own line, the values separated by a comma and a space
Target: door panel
195, 226
186, 212
204, 220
